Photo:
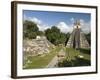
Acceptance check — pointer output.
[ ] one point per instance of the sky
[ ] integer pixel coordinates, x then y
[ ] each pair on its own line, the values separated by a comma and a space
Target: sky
63, 20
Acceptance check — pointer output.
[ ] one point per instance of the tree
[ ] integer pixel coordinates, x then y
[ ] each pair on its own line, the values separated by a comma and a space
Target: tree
55, 29
55, 36
40, 33
30, 29
62, 38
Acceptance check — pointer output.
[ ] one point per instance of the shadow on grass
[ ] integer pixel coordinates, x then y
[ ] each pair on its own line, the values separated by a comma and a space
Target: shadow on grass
85, 51
74, 63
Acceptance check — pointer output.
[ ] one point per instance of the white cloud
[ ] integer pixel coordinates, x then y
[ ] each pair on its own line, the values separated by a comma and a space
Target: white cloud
42, 27
36, 20
39, 23
72, 20
85, 26
64, 27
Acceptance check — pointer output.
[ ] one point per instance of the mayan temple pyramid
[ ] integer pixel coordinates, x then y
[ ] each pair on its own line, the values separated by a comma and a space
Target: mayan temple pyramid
77, 38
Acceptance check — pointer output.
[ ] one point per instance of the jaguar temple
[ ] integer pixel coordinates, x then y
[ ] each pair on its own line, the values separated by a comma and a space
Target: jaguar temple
77, 38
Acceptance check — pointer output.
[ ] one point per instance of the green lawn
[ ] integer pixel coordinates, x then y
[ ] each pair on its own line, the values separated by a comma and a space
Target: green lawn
41, 62
72, 58
72, 53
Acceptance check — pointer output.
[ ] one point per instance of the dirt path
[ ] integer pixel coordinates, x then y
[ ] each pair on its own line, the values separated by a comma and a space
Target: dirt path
54, 61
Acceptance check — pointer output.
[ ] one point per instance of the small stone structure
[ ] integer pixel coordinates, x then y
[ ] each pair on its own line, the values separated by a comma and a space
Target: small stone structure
38, 46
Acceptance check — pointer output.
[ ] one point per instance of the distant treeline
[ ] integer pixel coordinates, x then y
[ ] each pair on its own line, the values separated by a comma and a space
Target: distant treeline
54, 35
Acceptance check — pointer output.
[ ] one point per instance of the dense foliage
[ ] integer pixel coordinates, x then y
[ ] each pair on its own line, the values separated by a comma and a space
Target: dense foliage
74, 63
31, 30
54, 35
